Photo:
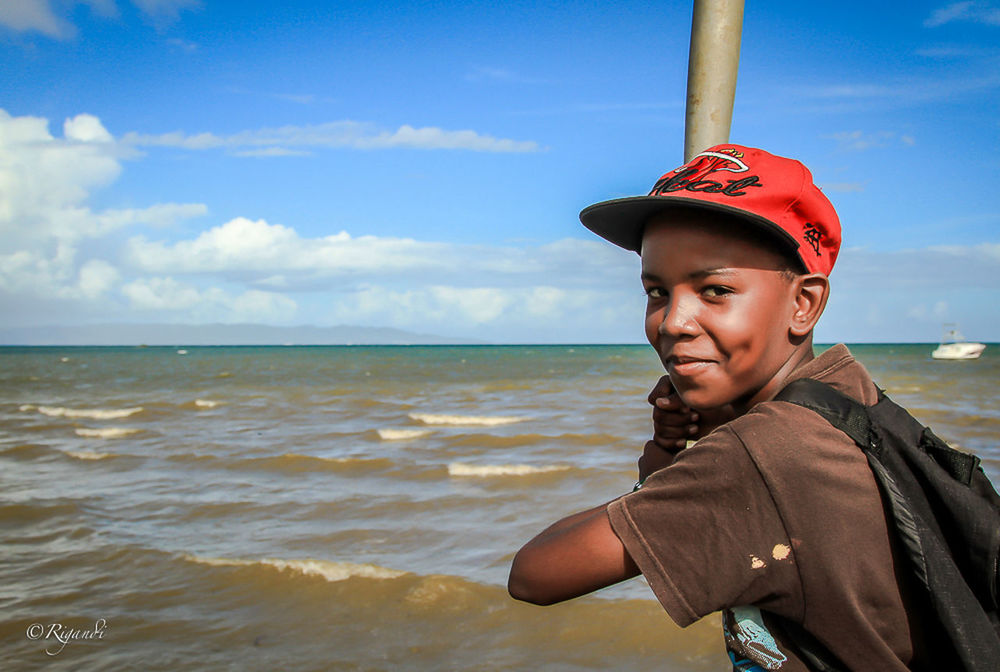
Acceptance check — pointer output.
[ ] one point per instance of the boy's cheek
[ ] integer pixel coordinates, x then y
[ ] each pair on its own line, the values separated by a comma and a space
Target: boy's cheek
653, 328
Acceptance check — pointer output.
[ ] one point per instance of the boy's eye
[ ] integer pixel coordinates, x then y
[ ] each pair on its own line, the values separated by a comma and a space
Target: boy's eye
656, 292
716, 290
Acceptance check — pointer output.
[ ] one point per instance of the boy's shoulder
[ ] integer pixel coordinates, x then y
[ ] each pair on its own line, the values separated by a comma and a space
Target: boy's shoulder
778, 435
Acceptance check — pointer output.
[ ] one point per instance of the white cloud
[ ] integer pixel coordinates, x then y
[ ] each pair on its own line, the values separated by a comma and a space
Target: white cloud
39, 15
33, 15
165, 9
941, 267
337, 134
976, 12
167, 296
490, 73
905, 295
45, 218
843, 187
955, 51
859, 141
97, 277
272, 151
39, 173
243, 245
86, 128
533, 313
266, 254
185, 46
32, 275
45, 183
493, 292
850, 97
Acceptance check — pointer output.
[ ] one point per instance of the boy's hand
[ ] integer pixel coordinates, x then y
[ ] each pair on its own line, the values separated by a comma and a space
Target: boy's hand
673, 425
673, 422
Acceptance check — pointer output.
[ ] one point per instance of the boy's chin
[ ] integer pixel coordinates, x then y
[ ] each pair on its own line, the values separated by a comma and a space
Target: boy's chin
701, 400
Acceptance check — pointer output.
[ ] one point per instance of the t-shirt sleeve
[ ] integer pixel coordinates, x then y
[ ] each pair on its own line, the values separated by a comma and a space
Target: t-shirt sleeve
706, 534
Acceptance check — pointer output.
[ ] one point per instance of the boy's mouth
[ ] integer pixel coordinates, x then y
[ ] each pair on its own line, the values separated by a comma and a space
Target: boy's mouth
687, 366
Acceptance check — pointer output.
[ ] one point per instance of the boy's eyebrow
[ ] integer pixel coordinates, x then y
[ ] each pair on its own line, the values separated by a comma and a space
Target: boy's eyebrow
722, 270
694, 275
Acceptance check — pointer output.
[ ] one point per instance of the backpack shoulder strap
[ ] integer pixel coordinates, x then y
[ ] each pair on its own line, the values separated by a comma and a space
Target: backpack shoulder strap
844, 413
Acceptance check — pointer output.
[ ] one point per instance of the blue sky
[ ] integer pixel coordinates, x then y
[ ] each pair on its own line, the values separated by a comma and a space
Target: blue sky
422, 165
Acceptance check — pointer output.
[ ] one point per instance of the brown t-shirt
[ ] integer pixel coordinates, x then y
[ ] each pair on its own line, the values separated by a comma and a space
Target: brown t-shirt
775, 511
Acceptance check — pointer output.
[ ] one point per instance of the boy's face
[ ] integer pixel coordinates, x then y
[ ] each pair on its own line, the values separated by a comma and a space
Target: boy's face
718, 309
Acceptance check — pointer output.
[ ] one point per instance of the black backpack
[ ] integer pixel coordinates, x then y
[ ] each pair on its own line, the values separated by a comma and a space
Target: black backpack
946, 515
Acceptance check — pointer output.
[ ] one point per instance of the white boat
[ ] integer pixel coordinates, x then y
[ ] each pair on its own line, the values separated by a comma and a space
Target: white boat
954, 346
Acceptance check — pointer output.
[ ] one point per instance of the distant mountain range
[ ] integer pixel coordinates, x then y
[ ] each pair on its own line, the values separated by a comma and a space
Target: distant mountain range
218, 334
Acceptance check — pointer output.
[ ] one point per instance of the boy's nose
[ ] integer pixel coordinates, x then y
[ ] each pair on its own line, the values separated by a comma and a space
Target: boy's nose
679, 318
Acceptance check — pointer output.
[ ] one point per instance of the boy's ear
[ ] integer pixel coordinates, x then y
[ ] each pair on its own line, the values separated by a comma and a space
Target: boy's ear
811, 292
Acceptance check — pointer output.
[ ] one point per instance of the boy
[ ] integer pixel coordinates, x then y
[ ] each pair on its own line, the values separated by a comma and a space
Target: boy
774, 517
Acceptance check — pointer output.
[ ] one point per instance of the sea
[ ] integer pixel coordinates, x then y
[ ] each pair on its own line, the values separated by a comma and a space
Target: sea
347, 508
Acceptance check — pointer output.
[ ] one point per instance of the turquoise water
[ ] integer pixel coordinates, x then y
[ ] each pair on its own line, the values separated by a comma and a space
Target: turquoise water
347, 507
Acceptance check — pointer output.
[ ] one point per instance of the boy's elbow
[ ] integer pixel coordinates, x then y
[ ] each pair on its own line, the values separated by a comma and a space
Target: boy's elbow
524, 587
527, 593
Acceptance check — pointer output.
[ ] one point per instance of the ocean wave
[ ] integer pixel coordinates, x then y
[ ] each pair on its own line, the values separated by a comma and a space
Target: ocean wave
88, 455
297, 463
91, 413
289, 463
32, 511
486, 470
402, 434
106, 432
206, 403
480, 440
331, 571
479, 420
27, 451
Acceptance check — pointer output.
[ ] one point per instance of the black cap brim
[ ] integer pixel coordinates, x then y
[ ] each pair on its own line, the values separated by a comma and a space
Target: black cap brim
622, 220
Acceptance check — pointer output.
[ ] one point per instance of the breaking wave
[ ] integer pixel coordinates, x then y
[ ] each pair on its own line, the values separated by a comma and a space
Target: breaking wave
331, 571
478, 420
402, 434
91, 413
88, 455
107, 432
463, 469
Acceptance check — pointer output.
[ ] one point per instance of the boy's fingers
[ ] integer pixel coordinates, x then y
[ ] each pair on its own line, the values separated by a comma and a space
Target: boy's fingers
663, 388
668, 417
681, 431
673, 402
669, 433
671, 445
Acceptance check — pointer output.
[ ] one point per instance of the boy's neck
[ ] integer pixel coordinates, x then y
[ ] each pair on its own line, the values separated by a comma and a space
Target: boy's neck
800, 355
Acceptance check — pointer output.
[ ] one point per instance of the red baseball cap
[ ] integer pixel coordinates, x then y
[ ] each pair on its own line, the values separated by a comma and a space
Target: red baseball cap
751, 184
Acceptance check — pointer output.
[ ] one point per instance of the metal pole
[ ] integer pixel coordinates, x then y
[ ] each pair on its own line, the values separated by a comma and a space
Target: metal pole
716, 29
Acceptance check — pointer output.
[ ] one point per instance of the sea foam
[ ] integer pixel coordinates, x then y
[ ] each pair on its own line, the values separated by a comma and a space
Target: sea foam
402, 434
331, 571
88, 455
92, 413
205, 403
107, 432
463, 469
479, 420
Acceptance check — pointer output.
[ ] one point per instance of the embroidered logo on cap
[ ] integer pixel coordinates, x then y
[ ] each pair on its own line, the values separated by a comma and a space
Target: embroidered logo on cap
693, 176
812, 235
